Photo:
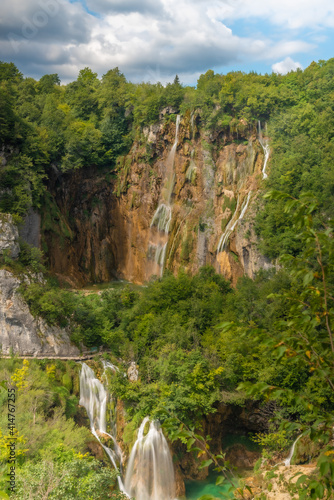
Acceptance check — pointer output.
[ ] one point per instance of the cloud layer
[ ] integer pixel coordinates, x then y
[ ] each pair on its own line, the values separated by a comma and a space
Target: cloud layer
285, 66
155, 39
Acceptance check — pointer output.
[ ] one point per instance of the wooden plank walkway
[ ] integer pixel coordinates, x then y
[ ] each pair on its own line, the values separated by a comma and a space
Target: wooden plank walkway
82, 357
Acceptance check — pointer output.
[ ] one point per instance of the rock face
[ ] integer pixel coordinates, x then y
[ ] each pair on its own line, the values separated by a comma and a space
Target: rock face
22, 334
100, 226
8, 236
31, 228
275, 486
240, 457
133, 373
244, 244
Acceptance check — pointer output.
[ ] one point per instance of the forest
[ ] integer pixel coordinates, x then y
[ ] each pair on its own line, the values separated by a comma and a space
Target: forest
198, 341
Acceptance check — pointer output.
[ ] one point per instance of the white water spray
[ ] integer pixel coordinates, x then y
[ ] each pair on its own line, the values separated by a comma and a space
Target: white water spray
150, 472
162, 218
233, 222
94, 398
266, 151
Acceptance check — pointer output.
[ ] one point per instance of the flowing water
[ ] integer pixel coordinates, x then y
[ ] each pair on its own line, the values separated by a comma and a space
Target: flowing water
233, 222
94, 397
162, 218
287, 461
266, 151
160, 224
150, 471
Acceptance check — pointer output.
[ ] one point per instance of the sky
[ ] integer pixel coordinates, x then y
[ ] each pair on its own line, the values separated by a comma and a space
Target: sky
152, 40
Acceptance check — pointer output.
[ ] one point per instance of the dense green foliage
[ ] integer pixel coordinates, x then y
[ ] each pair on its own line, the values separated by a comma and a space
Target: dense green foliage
171, 328
195, 339
94, 121
51, 449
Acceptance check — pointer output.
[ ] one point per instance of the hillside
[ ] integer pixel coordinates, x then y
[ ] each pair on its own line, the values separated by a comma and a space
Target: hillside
215, 205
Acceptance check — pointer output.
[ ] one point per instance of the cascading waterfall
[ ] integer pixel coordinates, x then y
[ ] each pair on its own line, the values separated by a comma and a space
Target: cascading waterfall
150, 472
163, 215
266, 151
94, 398
233, 222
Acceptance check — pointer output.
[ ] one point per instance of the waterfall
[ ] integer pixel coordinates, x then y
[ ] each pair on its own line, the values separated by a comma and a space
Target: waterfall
233, 222
150, 472
157, 253
192, 123
287, 462
94, 397
266, 151
162, 218
163, 215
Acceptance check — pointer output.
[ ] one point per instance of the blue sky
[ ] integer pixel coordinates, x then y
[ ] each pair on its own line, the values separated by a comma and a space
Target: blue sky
152, 40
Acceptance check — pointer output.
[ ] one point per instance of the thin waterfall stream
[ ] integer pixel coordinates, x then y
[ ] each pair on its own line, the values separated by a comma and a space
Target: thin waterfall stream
266, 150
287, 461
162, 217
235, 219
233, 222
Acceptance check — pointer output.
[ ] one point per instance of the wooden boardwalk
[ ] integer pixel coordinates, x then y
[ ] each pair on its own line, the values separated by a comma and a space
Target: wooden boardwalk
82, 357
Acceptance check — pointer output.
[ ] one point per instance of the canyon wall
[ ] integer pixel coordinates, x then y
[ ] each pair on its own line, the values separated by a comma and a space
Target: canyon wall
181, 197
21, 333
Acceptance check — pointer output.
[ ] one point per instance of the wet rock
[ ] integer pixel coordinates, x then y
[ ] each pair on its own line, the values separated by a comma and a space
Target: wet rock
180, 489
242, 458
106, 222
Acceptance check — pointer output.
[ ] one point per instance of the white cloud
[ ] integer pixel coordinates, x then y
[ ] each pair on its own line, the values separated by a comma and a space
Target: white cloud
286, 13
149, 40
108, 6
285, 66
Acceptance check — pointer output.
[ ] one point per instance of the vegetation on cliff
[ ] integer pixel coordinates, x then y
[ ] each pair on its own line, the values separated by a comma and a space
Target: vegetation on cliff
51, 450
197, 341
92, 121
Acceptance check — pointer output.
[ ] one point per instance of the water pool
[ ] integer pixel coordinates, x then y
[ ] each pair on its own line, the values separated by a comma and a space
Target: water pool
196, 489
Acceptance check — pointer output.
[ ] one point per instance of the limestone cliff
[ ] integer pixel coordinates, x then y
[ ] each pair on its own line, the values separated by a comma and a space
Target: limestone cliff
8, 236
21, 333
182, 197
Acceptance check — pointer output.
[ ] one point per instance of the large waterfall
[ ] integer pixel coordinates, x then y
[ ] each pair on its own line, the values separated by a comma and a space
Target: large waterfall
150, 472
94, 397
162, 217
